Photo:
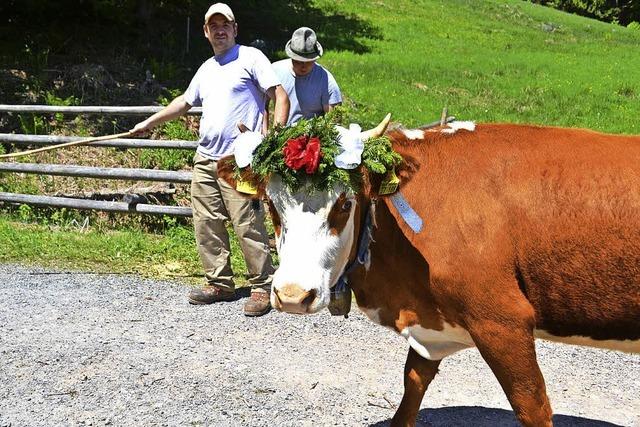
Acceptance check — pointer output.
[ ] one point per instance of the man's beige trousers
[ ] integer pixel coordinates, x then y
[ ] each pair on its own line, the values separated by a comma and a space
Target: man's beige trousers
213, 202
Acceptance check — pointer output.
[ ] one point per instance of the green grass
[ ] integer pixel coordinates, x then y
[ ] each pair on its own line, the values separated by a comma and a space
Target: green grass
487, 60
170, 255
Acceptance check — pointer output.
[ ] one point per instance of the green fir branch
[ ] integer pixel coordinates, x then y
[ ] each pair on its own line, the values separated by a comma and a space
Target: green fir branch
378, 156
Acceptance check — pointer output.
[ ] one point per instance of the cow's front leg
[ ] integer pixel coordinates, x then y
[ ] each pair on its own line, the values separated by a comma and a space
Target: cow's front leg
507, 345
418, 373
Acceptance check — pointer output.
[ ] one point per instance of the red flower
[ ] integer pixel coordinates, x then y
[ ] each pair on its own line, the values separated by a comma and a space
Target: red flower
302, 152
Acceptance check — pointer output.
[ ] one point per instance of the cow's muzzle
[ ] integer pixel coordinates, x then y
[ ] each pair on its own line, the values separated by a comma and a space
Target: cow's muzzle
293, 299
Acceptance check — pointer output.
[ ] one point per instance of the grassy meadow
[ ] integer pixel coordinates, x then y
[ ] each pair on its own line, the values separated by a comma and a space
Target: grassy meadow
486, 60
491, 61
69, 246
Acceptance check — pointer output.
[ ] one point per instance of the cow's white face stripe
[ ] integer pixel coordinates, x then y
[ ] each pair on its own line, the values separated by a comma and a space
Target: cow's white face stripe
436, 345
311, 257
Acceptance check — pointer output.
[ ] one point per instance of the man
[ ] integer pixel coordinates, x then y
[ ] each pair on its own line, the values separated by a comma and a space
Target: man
232, 88
311, 88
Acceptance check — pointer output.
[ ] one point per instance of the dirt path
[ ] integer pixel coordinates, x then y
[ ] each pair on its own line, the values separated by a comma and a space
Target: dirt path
84, 349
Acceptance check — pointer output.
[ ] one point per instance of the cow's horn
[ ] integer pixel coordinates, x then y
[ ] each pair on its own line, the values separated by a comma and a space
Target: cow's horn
376, 131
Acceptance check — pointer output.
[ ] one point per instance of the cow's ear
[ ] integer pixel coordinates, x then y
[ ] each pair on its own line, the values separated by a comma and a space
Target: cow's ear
377, 184
407, 169
248, 184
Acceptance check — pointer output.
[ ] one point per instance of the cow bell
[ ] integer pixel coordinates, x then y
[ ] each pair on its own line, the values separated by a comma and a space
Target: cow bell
340, 301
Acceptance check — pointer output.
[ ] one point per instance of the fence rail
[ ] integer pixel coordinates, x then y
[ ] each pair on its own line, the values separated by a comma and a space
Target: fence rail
97, 172
68, 202
44, 140
94, 172
124, 111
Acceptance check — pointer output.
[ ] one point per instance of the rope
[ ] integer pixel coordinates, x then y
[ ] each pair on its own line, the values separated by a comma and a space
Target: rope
66, 144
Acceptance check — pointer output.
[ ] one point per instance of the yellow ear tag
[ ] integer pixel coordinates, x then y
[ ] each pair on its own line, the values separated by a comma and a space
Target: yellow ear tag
246, 187
389, 183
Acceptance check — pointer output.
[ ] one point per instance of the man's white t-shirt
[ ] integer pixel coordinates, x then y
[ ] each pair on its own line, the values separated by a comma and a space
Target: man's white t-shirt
307, 94
231, 88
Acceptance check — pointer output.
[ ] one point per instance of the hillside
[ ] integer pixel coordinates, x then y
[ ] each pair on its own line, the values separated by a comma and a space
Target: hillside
491, 61
488, 60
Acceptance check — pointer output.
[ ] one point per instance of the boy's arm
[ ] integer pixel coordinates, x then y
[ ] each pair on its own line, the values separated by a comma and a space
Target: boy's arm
281, 110
265, 119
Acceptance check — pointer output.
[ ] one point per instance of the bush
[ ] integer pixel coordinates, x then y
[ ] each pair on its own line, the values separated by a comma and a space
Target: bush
615, 11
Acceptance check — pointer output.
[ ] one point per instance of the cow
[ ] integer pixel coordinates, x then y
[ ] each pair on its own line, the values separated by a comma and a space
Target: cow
497, 235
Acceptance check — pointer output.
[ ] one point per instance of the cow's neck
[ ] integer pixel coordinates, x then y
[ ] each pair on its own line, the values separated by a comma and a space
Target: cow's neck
360, 255
394, 291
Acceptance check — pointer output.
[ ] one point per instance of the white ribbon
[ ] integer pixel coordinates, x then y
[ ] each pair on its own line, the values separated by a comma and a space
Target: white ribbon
243, 147
351, 147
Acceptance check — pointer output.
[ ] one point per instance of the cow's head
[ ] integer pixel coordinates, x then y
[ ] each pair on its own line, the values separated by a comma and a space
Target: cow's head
316, 234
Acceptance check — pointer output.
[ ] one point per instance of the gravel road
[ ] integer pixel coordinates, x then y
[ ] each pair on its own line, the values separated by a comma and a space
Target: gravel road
94, 349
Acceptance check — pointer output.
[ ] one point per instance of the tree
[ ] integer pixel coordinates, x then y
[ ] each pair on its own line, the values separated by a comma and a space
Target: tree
620, 12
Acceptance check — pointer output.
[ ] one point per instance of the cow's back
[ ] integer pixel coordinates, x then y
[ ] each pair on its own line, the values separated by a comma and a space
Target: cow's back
557, 208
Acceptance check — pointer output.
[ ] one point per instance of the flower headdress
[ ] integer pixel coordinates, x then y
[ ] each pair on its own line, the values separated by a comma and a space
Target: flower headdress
315, 152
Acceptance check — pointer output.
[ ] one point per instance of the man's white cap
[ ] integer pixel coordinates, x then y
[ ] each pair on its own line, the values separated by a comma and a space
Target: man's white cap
220, 8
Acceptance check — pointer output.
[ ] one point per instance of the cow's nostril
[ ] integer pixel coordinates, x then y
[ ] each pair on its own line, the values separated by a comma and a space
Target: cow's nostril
308, 300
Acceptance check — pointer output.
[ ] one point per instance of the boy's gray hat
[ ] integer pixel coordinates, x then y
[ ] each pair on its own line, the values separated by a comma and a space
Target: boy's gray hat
304, 45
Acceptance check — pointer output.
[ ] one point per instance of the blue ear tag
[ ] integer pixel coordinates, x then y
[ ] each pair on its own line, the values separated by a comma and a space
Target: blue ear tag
389, 183
407, 213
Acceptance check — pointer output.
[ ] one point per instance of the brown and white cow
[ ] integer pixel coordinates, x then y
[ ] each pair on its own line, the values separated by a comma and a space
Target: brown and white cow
499, 234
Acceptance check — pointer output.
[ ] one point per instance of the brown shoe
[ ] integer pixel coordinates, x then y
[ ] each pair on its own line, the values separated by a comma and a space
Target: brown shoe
258, 304
210, 294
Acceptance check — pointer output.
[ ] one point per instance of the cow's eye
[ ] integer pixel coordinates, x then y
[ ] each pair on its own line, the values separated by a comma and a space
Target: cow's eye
346, 206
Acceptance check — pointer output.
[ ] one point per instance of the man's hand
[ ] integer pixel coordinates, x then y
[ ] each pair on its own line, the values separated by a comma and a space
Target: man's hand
141, 128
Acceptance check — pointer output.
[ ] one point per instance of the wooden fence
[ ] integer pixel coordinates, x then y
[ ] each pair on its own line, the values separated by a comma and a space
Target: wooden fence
132, 203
